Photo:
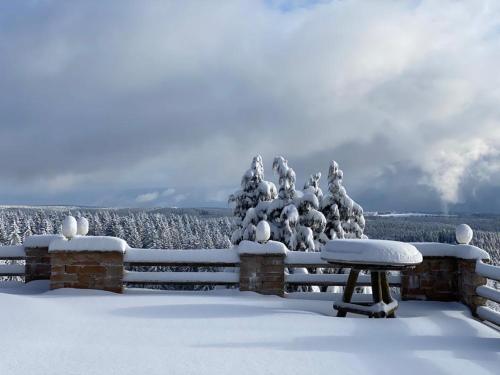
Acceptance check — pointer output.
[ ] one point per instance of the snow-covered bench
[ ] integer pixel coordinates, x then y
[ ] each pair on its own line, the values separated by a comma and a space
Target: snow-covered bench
377, 256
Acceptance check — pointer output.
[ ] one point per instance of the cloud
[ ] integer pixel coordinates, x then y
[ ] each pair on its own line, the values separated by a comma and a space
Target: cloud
180, 197
168, 192
147, 197
123, 95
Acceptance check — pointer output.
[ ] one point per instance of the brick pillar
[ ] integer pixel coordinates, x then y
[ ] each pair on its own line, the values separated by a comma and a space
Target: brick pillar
468, 281
262, 267
87, 270
444, 279
88, 263
36, 248
37, 264
435, 279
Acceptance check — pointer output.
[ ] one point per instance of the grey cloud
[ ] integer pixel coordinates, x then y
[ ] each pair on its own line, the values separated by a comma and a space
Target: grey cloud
133, 97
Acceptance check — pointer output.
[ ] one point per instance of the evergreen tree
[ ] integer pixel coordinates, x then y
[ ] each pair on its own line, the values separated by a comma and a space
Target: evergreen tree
14, 237
344, 217
251, 201
282, 213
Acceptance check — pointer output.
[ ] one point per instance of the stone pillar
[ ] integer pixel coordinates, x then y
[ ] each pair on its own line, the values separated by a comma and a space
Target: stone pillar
262, 267
435, 279
88, 263
468, 281
444, 279
37, 257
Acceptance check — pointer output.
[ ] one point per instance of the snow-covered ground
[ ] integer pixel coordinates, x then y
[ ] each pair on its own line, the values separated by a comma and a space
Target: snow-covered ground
71, 331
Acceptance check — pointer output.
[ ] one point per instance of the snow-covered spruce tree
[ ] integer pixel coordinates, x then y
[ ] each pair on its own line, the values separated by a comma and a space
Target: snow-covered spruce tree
15, 235
344, 216
312, 185
312, 223
251, 201
282, 214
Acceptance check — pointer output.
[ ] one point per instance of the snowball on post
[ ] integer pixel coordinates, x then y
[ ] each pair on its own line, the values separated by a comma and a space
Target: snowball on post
463, 234
69, 227
263, 232
82, 226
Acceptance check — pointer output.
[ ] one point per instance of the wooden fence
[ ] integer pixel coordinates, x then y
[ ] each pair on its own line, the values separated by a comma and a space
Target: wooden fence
9, 254
208, 258
291, 270
487, 292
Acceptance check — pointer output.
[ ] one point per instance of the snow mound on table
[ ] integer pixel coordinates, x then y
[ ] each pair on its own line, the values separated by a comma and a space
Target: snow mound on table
41, 240
435, 249
270, 247
371, 252
89, 243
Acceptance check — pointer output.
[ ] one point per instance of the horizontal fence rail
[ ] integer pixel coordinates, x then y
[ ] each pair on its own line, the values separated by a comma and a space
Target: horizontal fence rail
300, 261
488, 293
12, 270
493, 273
202, 257
182, 258
334, 279
308, 260
487, 270
182, 278
12, 253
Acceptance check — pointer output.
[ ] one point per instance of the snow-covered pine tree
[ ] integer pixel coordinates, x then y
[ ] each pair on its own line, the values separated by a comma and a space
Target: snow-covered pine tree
15, 235
251, 201
344, 216
312, 185
312, 223
282, 213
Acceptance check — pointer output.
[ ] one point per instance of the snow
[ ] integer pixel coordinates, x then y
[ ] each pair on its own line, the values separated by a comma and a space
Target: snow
41, 240
463, 234
488, 270
89, 243
371, 251
435, 249
12, 269
10, 252
221, 332
183, 277
270, 247
69, 227
263, 232
82, 226
217, 256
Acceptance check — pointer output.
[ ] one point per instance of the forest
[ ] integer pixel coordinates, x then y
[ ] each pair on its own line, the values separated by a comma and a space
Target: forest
171, 228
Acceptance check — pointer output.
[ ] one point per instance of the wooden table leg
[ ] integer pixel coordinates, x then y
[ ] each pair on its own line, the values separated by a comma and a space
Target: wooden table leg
349, 290
376, 287
386, 292
376, 292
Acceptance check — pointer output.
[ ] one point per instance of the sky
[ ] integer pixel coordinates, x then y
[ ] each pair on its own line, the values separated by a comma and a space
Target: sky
164, 103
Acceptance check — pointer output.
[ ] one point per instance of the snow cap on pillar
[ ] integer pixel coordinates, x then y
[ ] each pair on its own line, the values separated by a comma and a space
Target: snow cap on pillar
82, 226
263, 232
69, 227
463, 234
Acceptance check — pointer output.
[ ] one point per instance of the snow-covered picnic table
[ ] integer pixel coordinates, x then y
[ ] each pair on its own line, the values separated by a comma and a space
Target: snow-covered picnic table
378, 257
